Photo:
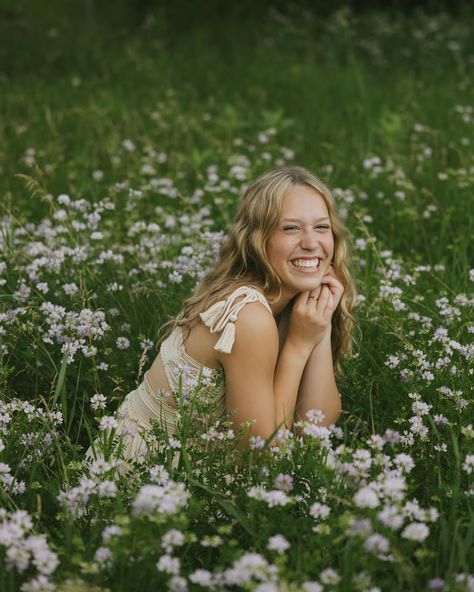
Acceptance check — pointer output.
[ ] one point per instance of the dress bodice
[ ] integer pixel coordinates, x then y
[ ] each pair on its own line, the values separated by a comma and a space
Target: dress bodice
219, 318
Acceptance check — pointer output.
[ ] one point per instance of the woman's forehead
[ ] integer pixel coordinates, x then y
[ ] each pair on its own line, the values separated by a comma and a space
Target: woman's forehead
301, 200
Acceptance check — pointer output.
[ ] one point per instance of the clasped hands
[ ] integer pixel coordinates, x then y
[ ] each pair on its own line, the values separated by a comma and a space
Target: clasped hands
311, 314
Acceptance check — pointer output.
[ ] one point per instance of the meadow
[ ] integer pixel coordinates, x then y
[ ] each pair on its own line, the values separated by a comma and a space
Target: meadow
125, 146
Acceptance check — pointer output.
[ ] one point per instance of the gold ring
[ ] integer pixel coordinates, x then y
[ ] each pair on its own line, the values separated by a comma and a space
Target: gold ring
311, 297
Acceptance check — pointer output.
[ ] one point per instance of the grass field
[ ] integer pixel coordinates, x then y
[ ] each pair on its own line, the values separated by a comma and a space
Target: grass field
125, 143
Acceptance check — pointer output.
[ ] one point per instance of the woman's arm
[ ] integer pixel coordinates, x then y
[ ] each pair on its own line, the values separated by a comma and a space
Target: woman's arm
318, 387
286, 381
260, 384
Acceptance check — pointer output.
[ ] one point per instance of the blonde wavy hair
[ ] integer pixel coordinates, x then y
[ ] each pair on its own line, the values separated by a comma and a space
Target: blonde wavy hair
243, 259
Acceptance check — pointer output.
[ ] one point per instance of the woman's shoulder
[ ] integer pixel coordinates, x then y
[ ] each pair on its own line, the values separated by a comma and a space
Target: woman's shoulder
244, 304
252, 328
239, 292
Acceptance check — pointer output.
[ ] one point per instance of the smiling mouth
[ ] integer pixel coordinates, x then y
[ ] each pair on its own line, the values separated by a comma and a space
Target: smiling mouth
306, 264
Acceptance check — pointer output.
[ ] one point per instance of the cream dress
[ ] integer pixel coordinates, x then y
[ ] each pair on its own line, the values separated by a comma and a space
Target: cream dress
143, 404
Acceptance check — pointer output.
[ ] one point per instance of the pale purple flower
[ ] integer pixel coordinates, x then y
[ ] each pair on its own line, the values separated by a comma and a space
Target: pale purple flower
167, 499
177, 584
329, 576
319, 511
122, 343
107, 489
172, 538
278, 543
404, 462
311, 587
98, 401
103, 555
416, 531
468, 464
436, 584
366, 498
169, 564
391, 517
256, 442
107, 422
284, 482
276, 498
111, 531
377, 544
70, 289
201, 577
315, 415
159, 475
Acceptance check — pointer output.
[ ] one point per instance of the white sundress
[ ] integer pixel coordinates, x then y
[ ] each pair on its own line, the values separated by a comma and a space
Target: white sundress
143, 404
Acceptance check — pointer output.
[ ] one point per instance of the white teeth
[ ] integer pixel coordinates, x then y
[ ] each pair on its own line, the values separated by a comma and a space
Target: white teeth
306, 263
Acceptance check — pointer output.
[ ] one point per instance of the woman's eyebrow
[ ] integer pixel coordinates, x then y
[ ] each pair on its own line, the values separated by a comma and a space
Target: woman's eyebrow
299, 220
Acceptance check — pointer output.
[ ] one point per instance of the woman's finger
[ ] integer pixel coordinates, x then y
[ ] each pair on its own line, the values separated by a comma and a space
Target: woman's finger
330, 305
322, 300
313, 295
332, 281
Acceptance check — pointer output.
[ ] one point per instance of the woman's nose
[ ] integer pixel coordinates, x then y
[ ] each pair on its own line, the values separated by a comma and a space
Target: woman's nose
309, 240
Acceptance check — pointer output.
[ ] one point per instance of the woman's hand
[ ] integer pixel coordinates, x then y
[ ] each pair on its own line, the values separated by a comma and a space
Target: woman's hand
310, 318
334, 284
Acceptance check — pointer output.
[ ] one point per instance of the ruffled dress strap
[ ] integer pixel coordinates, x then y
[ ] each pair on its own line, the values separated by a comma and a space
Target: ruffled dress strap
221, 316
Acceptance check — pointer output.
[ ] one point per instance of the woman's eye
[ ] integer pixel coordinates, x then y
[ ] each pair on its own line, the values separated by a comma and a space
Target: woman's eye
290, 227
323, 227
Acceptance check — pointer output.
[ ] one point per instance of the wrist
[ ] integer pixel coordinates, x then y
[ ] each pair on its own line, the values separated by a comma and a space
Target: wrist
325, 340
299, 351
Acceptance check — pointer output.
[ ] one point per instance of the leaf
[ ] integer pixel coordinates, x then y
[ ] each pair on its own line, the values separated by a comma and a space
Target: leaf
60, 389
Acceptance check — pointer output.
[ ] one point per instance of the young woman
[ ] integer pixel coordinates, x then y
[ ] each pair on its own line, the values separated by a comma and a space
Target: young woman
272, 319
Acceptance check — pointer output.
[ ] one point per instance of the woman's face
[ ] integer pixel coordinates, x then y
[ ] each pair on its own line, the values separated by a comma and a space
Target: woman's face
301, 248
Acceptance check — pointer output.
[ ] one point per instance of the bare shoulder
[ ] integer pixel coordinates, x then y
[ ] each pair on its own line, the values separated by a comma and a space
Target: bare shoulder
256, 333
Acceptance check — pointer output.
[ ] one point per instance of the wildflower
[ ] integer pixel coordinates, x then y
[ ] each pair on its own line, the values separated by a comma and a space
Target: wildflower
311, 587
416, 531
377, 544
201, 577
177, 584
107, 423
329, 576
278, 543
122, 343
168, 564
366, 498
211, 541
404, 462
42, 287
103, 555
315, 415
173, 537
107, 489
436, 584
159, 475
284, 482
276, 498
167, 499
376, 442
128, 145
319, 511
256, 442
468, 464
98, 401
175, 277
256, 492
111, 531
248, 566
